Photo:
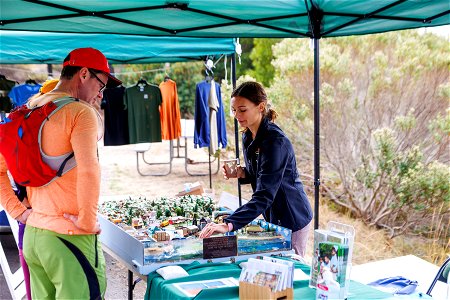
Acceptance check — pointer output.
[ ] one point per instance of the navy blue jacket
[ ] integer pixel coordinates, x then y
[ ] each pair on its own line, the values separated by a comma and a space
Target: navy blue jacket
202, 133
271, 169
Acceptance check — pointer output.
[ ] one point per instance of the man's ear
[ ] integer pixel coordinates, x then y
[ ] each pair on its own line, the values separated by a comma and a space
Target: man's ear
83, 73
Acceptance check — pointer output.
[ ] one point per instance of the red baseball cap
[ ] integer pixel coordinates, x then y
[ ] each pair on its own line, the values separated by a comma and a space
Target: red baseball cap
93, 59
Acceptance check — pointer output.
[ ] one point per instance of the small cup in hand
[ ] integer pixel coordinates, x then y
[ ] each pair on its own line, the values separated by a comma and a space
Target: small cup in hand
230, 168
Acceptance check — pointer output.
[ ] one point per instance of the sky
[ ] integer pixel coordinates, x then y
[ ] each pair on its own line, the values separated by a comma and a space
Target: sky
439, 30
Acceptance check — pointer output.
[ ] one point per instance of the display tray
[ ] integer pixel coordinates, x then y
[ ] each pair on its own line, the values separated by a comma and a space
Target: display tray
146, 256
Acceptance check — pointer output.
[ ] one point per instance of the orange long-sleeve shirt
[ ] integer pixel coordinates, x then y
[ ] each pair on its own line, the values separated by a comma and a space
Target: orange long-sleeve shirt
73, 128
170, 111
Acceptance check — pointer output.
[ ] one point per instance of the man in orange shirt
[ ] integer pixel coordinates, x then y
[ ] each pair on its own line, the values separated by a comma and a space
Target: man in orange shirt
60, 243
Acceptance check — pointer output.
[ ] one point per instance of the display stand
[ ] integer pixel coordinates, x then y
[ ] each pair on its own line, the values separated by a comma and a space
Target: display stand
143, 148
249, 291
336, 233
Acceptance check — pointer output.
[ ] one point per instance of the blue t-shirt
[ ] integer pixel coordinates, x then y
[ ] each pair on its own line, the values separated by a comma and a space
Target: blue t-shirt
21, 93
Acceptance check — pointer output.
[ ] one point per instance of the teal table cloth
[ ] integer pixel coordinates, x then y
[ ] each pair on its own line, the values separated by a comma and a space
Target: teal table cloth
158, 288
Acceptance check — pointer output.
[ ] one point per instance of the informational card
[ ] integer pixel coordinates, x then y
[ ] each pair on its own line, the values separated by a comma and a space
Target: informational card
221, 246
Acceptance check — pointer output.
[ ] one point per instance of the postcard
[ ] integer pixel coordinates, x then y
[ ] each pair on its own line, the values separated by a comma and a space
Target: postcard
192, 288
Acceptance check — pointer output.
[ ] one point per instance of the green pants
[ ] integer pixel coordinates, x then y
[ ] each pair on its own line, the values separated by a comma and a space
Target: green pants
64, 266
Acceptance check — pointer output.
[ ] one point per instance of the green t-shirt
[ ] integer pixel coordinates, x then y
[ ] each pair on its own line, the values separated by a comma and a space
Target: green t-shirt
142, 103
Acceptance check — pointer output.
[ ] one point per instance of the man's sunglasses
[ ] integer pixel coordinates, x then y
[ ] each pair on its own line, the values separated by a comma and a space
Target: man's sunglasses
103, 84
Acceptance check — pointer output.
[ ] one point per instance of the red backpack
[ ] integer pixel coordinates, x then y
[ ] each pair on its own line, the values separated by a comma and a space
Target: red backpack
20, 145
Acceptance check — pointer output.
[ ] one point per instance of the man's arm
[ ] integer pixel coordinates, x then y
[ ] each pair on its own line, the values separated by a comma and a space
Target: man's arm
8, 199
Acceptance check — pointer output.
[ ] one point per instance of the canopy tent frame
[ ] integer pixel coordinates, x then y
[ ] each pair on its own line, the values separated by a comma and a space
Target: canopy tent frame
106, 14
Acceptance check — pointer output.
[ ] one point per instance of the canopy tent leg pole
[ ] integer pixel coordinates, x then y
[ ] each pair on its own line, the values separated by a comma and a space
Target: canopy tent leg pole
209, 164
50, 70
316, 134
236, 127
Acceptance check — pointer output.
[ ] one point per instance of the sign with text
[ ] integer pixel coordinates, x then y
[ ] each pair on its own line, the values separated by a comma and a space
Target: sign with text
221, 246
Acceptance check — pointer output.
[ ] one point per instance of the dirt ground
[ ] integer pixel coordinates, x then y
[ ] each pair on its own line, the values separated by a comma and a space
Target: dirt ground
120, 177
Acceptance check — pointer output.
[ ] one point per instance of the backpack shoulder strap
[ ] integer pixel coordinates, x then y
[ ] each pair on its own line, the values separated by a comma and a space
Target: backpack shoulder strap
60, 102
62, 163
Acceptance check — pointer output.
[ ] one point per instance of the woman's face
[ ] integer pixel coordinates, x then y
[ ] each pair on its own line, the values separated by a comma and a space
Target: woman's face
246, 112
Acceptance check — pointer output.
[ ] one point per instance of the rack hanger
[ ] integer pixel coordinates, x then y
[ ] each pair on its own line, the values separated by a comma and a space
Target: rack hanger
209, 64
142, 81
208, 77
166, 77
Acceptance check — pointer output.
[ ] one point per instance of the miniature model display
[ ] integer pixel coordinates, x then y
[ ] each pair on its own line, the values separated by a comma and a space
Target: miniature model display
168, 227
261, 236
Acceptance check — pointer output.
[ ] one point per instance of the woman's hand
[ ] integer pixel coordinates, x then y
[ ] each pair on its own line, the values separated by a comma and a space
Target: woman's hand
74, 220
212, 228
24, 216
234, 171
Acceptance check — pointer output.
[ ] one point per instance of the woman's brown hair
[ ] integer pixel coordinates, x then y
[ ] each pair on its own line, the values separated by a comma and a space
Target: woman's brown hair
255, 92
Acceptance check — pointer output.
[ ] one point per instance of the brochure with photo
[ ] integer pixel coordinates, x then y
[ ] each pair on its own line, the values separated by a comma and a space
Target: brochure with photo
266, 273
321, 235
192, 288
334, 257
289, 279
331, 282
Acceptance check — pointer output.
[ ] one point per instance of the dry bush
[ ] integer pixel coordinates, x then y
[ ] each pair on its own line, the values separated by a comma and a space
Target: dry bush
384, 125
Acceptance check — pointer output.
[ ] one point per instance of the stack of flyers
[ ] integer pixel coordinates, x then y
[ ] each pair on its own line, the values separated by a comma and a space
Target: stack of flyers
276, 276
289, 280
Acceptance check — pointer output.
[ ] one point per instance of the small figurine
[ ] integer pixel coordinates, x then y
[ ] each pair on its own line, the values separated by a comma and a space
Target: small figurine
253, 228
161, 236
193, 229
202, 223
136, 223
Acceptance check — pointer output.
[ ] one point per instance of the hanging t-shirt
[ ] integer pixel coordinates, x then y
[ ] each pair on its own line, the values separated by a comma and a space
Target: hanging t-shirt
116, 117
142, 103
21, 93
5, 87
170, 111
202, 132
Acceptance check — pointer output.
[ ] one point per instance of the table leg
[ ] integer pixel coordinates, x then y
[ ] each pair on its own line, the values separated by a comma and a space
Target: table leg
130, 285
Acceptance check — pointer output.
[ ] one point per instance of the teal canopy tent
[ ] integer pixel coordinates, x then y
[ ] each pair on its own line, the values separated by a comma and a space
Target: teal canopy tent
23, 47
218, 18
231, 18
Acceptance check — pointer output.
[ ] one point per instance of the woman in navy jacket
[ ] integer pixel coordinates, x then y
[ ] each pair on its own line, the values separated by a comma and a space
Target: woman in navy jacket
270, 168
